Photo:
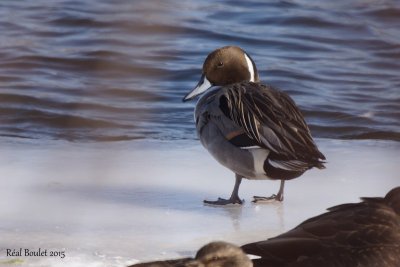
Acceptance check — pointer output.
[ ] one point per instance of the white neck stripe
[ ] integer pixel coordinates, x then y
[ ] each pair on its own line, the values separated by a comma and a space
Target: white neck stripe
250, 67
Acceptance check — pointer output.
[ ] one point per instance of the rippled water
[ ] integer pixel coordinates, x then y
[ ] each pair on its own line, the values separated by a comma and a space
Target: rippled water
117, 70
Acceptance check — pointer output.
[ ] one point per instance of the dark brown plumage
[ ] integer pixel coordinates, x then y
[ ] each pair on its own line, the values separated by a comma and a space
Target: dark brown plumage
363, 234
167, 263
272, 119
214, 254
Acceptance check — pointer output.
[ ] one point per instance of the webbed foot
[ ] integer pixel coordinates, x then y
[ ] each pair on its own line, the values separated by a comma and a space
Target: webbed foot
274, 197
222, 201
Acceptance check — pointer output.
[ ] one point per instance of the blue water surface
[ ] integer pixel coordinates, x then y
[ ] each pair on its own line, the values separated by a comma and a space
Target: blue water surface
117, 70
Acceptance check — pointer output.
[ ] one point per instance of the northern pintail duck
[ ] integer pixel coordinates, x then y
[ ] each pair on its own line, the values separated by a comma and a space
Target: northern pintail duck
365, 234
214, 254
253, 129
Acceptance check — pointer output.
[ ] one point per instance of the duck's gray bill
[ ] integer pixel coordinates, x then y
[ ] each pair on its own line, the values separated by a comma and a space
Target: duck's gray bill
202, 86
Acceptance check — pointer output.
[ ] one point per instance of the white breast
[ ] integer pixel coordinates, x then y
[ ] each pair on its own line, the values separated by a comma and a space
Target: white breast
259, 156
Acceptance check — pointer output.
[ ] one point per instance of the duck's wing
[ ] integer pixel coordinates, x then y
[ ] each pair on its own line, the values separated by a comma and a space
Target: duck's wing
271, 119
362, 234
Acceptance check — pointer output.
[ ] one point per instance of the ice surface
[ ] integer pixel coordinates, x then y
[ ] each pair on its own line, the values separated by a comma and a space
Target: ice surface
113, 204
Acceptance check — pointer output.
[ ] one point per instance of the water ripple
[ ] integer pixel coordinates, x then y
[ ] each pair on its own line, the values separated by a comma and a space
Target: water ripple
103, 71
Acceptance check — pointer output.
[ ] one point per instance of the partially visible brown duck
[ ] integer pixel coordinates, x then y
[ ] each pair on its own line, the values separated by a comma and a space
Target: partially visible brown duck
214, 254
363, 234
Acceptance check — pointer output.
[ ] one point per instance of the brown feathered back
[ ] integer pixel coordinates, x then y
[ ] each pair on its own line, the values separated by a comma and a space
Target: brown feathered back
356, 234
393, 199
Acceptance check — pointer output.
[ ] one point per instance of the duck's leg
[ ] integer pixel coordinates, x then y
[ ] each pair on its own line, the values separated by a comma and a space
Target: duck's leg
234, 199
278, 197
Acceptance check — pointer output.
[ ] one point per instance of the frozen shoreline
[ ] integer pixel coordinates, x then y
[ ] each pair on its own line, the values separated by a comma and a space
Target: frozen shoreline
111, 204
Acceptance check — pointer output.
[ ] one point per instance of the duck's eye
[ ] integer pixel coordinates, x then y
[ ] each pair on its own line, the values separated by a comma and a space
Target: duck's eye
220, 64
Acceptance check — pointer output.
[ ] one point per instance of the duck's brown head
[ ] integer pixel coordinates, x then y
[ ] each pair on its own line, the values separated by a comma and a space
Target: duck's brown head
226, 65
